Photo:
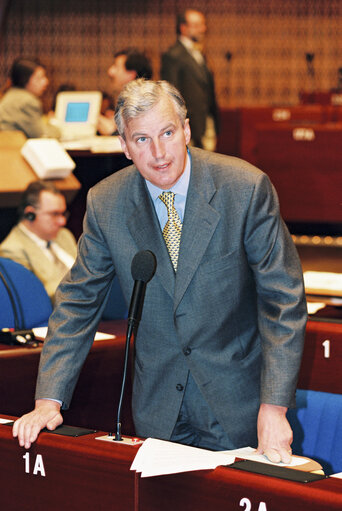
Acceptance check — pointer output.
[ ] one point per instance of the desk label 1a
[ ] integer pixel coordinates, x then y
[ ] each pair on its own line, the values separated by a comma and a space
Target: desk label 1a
247, 505
38, 465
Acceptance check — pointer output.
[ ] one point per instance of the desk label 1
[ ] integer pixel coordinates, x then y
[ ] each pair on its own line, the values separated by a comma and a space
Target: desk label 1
247, 505
38, 465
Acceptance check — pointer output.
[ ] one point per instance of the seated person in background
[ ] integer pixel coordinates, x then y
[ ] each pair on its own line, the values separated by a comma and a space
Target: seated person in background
39, 241
20, 107
128, 65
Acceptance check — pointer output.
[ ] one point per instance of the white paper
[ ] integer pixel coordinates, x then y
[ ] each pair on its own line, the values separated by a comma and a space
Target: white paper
40, 332
313, 307
5, 421
338, 475
319, 281
159, 457
249, 453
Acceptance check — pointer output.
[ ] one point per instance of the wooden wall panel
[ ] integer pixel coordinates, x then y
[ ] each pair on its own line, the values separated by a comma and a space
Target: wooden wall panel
268, 40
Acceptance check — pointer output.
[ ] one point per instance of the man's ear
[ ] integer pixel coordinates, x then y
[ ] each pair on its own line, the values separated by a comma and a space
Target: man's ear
187, 131
124, 147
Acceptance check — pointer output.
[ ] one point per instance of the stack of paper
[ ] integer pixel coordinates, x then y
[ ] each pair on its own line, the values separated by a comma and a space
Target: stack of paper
323, 283
159, 457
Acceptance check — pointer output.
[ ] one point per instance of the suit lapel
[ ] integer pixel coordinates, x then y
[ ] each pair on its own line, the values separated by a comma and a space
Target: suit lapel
201, 71
200, 221
145, 229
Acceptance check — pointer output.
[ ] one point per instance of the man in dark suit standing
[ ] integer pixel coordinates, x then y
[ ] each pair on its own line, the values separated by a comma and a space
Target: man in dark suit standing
184, 66
219, 345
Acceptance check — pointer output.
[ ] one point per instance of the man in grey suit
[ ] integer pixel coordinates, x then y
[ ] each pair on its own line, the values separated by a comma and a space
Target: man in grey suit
221, 335
185, 67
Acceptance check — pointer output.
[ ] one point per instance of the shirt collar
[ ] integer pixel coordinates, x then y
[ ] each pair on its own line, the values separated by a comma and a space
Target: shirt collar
39, 241
188, 43
180, 187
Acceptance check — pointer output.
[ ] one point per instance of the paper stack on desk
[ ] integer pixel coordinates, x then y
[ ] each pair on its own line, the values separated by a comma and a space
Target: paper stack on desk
323, 283
159, 457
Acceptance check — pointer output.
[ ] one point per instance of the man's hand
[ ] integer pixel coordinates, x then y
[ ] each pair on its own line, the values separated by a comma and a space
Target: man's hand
46, 414
274, 433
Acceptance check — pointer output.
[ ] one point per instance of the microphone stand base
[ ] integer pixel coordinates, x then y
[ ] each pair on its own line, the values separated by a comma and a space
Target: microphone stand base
125, 440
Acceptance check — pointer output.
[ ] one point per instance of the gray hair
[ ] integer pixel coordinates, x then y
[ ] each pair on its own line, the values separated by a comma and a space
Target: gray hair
139, 96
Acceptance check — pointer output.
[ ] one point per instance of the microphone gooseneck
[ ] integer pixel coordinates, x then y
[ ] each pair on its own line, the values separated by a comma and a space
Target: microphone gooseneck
143, 268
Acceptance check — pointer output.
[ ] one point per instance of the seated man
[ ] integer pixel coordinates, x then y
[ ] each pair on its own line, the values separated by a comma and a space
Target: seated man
39, 241
129, 64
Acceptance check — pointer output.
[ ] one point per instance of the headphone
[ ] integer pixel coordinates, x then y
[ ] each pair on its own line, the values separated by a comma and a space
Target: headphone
30, 216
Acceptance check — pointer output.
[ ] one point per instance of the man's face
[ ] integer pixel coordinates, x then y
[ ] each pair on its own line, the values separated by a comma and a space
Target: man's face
156, 142
119, 75
38, 82
50, 215
195, 27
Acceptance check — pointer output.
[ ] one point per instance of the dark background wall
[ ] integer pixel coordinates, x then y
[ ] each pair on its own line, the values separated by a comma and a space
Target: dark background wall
268, 40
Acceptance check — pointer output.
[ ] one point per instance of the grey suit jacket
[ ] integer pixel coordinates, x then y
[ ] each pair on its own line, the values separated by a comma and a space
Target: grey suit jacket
21, 110
234, 314
196, 84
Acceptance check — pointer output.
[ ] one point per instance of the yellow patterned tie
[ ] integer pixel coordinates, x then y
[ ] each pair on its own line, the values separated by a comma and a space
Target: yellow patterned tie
173, 228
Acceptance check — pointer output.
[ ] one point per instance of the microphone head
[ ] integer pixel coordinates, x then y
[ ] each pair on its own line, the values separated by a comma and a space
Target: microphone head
144, 265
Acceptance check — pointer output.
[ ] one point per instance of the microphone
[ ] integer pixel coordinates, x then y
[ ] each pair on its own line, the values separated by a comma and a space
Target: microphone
143, 268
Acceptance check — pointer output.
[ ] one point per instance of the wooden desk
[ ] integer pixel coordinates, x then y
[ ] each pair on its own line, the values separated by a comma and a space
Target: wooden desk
226, 489
16, 174
84, 474
79, 474
96, 395
322, 358
305, 165
97, 392
238, 132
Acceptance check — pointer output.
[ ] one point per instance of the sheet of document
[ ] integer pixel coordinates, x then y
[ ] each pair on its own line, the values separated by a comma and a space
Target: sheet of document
159, 457
248, 453
40, 333
323, 283
5, 421
313, 307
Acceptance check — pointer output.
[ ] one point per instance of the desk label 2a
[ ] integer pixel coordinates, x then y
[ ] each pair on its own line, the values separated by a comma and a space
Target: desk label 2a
38, 465
247, 505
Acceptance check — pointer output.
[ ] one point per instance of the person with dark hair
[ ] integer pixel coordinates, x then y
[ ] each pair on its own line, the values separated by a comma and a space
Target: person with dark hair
39, 241
20, 107
129, 64
184, 66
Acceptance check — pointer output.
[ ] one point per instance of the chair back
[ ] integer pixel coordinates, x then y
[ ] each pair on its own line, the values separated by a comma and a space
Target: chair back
24, 302
317, 428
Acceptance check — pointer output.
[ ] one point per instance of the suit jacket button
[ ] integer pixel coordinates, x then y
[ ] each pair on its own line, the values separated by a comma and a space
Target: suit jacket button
187, 351
179, 387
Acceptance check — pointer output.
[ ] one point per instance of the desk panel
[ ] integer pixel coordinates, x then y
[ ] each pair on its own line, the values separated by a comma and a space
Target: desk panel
322, 358
60, 472
97, 392
226, 489
305, 165
251, 117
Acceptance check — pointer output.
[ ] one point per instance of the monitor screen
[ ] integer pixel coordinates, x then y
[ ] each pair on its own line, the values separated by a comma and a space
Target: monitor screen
77, 112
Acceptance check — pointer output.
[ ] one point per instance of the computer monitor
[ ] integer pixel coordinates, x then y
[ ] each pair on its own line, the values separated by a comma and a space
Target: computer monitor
77, 113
